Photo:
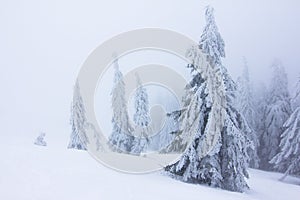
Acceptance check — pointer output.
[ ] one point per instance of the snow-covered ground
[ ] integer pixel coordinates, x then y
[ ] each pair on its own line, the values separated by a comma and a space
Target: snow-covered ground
35, 172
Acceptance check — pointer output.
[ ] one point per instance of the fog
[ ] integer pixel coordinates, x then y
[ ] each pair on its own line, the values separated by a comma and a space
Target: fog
44, 43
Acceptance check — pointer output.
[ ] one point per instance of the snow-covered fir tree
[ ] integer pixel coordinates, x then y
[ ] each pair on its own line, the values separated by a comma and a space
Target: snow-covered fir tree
234, 151
288, 159
245, 104
194, 117
234, 156
141, 119
244, 100
224, 166
40, 140
296, 97
78, 138
277, 111
121, 139
260, 102
211, 41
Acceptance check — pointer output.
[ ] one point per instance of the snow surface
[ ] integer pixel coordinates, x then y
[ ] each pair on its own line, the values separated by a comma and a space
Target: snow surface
33, 172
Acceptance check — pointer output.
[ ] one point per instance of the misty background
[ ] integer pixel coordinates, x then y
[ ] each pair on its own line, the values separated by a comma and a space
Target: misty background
44, 44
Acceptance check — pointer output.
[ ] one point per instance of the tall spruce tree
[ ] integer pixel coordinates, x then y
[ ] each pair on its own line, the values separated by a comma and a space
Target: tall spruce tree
296, 97
234, 156
277, 111
245, 104
260, 101
78, 139
141, 119
288, 159
121, 139
194, 118
224, 166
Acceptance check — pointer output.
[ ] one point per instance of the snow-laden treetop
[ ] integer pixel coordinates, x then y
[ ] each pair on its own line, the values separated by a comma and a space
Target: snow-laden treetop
211, 41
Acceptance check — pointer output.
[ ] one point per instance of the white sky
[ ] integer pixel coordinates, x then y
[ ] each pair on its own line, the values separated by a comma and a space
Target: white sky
44, 43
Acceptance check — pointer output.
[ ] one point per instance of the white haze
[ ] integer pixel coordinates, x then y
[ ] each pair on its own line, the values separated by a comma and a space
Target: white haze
44, 43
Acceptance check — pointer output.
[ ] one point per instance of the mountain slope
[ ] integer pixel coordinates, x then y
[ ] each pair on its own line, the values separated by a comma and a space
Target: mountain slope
34, 172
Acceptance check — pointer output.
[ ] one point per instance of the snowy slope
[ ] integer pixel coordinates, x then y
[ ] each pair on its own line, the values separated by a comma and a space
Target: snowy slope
34, 172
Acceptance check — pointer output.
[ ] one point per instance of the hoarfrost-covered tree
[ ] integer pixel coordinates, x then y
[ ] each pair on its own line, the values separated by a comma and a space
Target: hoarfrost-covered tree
288, 159
260, 101
234, 156
296, 98
245, 105
189, 114
121, 139
277, 111
234, 151
211, 41
244, 98
194, 116
40, 140
141, 119
78, 139
224, 166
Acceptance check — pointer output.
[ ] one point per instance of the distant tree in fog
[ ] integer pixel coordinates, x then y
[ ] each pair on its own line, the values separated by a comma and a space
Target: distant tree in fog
288, 159
78, 138
121, 139
245, 104
277, 111
40, 140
